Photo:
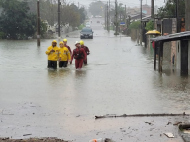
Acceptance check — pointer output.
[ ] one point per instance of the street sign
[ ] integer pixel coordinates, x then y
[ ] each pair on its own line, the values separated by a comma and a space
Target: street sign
122, 23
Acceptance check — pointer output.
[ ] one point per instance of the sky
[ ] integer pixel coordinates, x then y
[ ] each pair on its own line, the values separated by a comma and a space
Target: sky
129, 3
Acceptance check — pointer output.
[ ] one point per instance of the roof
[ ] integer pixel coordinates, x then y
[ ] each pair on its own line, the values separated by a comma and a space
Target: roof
173, 37
147, 18
136, 16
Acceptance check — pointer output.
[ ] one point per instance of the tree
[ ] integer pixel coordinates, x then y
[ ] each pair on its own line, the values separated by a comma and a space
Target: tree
15, 21
135, 25
169, 10
150, 25
121, 11
97, 8
70, 13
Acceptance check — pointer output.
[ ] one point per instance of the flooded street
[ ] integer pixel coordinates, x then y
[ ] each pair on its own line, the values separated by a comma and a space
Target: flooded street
119, 79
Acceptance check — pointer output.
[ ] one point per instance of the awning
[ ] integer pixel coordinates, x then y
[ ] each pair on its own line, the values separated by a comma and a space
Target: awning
173, 37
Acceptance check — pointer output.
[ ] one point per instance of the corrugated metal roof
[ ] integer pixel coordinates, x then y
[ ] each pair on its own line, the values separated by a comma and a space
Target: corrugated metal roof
173, 37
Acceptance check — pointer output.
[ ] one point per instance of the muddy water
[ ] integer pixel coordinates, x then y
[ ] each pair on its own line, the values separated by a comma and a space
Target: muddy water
118, 79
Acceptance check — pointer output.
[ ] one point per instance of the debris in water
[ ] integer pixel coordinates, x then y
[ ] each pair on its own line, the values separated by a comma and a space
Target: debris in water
177, 123
27, 134
101, 140
169, 135
140, 115
169, 123
149, 123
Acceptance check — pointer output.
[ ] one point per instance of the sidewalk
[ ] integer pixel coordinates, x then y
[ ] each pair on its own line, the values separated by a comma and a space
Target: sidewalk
133, 129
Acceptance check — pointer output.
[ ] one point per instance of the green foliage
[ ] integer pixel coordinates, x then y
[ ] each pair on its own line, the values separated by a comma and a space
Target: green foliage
70, 13
81, 26
43, 28
169, 10
1, 35
15, 21
135, 25
150, 25
97, 8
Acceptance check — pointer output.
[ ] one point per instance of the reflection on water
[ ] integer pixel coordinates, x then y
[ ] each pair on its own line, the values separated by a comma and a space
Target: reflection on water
80, 73
126, 77
118, 79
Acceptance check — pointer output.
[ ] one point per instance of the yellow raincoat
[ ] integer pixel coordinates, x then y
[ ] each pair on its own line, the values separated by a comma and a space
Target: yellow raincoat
53, 56
64, 54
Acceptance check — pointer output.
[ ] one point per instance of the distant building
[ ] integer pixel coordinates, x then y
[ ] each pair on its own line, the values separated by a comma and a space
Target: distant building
146, 9
137, 16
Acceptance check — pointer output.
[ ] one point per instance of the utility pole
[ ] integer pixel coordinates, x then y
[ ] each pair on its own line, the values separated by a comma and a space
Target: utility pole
152, 9
116, 18
141, 24
59, 29
177, 14
125, 20
38, 23
187, 15
107, 17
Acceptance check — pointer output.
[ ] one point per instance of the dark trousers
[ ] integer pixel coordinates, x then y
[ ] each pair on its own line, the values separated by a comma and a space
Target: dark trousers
63, 64
52, 64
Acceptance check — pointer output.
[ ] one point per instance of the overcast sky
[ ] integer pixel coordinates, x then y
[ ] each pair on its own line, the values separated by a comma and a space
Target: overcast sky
130, 3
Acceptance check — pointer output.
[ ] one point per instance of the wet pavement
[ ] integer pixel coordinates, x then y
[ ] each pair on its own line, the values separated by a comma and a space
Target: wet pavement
119, 79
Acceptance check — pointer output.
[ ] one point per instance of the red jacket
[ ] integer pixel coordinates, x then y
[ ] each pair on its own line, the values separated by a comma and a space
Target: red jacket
69, 49
86, 49
153, 44
78, 54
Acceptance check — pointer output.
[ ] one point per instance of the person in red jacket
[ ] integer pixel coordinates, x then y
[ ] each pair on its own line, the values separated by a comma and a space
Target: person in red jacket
86, 50
79, 55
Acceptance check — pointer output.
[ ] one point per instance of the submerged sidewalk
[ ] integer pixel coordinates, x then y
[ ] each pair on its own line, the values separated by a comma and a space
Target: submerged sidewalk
128, 129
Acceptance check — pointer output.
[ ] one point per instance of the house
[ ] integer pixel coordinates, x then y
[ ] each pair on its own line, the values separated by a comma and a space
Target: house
136, 17
146, 9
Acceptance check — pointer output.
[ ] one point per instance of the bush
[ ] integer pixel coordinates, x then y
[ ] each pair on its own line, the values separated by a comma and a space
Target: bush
135, 25
1, 35
81, 26
150, 26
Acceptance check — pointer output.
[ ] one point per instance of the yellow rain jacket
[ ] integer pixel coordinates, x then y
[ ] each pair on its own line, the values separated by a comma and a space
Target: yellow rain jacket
53, 56
64, 54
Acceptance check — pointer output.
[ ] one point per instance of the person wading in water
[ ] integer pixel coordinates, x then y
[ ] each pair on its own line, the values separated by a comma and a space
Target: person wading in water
64, 55
79, 55
86, 50
52, 53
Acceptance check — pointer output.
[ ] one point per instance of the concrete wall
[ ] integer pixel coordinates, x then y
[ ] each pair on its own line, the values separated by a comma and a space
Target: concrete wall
134, 34
167, 51
174, 43
178, 55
